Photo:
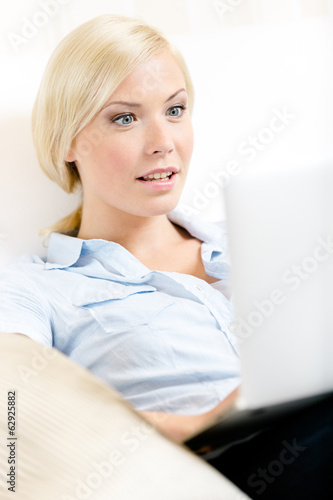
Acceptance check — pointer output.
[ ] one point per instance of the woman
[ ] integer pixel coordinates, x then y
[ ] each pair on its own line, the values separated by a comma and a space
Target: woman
129, 288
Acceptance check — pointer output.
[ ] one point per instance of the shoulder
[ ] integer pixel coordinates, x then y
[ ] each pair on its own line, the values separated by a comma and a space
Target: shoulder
21, 269
24, 307
24, 281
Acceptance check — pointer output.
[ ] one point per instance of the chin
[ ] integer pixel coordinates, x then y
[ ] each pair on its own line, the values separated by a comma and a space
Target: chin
161, 207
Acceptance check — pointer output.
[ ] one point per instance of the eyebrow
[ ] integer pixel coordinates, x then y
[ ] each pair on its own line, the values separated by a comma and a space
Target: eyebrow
138, 105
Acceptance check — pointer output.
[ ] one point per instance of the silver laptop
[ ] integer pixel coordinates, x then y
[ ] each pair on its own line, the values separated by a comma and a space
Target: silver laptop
280, 225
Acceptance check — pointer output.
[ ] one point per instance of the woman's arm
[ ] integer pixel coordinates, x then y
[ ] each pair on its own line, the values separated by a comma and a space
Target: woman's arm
179, 428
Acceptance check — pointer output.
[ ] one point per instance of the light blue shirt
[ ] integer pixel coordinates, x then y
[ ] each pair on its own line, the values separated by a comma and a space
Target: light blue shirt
161, 339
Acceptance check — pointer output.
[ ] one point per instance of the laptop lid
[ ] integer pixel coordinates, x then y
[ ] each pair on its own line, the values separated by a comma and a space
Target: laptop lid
280, 225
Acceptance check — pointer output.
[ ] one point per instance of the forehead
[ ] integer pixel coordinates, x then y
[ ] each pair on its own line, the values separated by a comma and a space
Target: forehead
161, 75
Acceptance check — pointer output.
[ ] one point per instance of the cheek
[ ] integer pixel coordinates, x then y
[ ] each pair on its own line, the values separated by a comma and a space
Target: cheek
120, 157
186, 143
103, 156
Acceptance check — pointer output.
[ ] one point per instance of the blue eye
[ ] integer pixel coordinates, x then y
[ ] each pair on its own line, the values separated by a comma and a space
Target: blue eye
123, 120
176, 111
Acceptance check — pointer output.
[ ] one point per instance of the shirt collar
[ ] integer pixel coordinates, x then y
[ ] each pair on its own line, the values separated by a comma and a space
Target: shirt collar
210, 233
65, 250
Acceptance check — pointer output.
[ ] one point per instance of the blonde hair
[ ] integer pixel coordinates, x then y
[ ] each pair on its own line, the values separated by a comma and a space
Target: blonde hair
82, 73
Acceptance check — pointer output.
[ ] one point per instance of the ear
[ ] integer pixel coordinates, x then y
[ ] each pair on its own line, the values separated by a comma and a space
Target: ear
70, 157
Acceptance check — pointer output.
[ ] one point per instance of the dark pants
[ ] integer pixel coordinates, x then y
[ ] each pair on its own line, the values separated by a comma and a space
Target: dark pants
292, 460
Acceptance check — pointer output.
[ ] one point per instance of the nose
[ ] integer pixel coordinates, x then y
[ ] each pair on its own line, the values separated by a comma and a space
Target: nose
159, 140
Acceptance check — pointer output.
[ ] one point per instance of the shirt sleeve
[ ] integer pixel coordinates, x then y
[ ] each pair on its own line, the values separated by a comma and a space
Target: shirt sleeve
23, 307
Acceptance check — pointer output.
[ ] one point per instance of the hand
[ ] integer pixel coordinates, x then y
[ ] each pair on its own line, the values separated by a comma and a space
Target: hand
179, 428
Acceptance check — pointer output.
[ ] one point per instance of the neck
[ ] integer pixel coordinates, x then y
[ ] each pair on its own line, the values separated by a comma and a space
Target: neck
139, 235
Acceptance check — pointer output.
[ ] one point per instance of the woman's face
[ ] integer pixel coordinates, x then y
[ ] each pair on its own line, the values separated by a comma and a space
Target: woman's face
143, 130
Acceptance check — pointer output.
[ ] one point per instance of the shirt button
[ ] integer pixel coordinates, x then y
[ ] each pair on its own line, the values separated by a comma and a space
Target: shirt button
233, 327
